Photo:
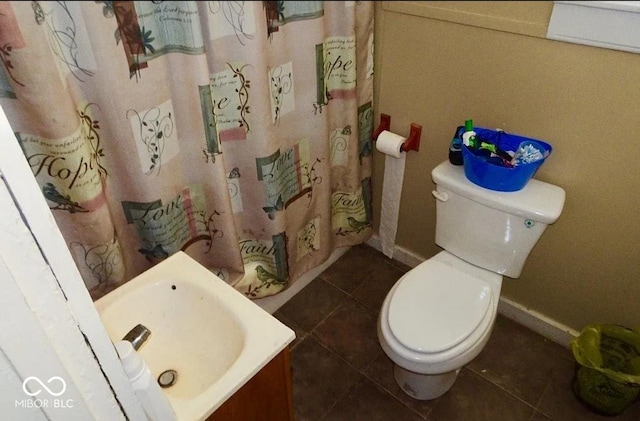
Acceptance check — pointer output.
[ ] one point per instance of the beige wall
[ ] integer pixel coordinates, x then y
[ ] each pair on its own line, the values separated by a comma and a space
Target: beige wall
585, 101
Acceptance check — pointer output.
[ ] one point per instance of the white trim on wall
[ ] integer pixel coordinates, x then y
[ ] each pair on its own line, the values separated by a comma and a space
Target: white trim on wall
605, 24
50, 284
37, 334
538, 322
24, 344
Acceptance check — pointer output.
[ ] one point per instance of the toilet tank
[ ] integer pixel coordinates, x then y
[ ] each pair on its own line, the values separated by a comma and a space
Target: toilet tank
492, 229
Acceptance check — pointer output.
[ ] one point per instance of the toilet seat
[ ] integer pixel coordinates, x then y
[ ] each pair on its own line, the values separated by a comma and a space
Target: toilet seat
436, 306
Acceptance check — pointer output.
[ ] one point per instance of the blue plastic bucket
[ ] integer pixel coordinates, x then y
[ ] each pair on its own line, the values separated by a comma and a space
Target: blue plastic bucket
496, 177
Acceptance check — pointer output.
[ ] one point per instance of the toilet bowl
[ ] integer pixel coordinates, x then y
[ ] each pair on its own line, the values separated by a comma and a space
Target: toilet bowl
436, 319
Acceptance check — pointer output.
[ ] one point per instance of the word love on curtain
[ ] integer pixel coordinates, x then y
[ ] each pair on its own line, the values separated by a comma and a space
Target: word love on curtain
238, 132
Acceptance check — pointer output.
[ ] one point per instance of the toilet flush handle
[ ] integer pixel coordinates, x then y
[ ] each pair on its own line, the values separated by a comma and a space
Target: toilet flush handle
441, 196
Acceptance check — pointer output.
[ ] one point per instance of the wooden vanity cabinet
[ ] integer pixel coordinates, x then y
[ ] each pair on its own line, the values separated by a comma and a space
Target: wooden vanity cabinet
267, 396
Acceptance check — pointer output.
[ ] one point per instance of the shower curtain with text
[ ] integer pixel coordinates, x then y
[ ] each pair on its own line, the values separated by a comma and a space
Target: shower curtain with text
237, 132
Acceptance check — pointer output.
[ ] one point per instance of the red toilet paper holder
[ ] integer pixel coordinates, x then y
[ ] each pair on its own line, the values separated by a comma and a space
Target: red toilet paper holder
413, 141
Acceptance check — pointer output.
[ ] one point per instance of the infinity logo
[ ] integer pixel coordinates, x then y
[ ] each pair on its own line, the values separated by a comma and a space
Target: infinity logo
37, 380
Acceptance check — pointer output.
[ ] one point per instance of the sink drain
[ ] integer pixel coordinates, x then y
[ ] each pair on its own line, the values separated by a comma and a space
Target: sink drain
167, 378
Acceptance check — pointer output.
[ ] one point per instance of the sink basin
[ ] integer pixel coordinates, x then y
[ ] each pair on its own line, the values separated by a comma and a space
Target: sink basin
214, 337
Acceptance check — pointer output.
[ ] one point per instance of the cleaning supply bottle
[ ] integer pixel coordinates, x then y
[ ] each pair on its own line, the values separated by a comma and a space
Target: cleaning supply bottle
469, 136
455, 149
154, 403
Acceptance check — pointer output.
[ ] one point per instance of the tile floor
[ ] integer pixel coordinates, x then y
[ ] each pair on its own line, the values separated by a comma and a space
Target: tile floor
341, 373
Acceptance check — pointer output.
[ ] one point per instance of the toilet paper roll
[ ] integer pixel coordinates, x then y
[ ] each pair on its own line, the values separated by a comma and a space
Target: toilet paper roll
389, 144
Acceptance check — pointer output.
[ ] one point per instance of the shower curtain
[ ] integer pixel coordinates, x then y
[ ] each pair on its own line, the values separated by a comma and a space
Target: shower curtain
237, 132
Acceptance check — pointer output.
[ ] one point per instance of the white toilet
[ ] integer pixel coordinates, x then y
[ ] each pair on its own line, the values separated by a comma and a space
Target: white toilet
439, 315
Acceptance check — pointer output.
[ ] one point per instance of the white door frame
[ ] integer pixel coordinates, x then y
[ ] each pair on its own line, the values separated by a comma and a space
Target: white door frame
49, 326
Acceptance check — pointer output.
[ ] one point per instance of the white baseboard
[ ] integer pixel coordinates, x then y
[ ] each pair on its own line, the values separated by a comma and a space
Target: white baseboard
273, 303
538, 322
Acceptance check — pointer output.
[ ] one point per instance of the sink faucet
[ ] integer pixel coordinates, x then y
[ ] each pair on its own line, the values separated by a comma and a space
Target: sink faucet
137, 336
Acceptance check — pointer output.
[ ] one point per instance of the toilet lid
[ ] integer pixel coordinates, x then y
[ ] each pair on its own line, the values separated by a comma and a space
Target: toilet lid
436, 306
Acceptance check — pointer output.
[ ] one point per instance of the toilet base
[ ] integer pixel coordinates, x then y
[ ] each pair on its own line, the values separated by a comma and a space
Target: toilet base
424, 386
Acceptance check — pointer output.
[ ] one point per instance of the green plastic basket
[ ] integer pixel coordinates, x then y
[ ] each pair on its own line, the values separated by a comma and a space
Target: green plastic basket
607, 377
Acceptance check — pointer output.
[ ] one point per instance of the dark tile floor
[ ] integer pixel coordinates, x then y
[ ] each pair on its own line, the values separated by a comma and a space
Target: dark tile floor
341, 373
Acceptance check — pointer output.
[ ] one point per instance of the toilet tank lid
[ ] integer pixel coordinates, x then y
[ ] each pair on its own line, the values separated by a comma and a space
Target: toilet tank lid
539, 201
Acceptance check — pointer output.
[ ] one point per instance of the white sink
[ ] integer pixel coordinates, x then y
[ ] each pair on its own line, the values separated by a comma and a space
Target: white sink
212, 335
